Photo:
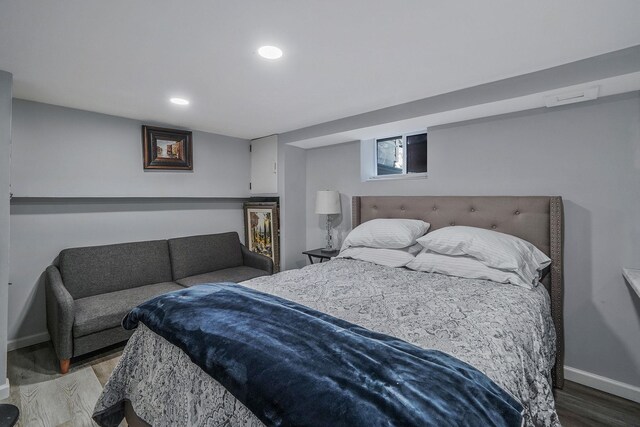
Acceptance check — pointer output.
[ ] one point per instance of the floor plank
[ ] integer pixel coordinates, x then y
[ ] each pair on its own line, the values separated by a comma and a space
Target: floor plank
48, 399
104, 368
578, 405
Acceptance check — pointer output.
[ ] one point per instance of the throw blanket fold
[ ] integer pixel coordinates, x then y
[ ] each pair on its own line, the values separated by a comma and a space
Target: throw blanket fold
292, 365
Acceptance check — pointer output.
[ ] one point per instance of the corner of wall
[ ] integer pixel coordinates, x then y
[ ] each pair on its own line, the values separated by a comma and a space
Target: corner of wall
292, 175
6, 94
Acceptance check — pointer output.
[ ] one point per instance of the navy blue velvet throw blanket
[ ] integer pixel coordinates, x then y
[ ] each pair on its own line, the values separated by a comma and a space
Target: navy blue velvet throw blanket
295, 366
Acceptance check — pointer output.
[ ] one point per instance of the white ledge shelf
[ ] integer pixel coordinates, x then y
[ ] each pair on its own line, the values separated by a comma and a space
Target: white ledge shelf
633, 278
93, 199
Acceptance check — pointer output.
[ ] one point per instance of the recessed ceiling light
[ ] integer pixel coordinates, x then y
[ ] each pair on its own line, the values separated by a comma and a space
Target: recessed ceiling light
270, 52
179, 101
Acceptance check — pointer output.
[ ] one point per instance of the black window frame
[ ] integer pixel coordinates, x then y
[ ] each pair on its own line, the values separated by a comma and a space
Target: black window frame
421, 166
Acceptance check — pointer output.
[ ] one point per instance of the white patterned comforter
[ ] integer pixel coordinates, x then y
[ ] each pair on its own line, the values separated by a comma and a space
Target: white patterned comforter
503, 330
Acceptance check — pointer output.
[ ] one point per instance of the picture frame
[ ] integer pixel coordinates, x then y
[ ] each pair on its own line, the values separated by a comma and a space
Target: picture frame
262, 230
167, 149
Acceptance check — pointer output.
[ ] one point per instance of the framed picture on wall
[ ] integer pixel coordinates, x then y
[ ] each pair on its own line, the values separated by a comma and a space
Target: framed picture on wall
169, 149
261, 230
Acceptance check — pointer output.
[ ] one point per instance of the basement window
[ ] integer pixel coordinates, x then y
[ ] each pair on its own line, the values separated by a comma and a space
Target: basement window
399, 156
390, 156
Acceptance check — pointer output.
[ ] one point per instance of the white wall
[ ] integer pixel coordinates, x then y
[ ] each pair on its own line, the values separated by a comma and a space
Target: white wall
67, 167
64, 152
6, 84
292, 178
590, 155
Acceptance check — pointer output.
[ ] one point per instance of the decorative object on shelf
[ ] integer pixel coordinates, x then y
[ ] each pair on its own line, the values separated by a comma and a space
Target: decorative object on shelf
328, 203
168, 149
262, 231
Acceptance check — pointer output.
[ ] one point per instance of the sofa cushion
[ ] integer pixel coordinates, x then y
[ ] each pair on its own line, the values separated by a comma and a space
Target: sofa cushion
99, 312
234, 274
100, 269
203, 254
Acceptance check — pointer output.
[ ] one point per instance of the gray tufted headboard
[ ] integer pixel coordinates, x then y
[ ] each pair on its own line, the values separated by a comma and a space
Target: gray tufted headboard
537, 219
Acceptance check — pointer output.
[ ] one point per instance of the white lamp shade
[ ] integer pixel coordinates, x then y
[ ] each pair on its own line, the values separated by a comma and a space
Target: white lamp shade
328, 202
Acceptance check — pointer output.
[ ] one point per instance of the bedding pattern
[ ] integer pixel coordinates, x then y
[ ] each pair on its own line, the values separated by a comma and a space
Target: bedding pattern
292, 365
504, 331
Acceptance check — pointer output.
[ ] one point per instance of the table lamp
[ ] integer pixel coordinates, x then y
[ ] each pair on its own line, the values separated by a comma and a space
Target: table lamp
328, 203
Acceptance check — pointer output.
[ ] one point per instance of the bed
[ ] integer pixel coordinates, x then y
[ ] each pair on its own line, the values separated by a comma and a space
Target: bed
513, 335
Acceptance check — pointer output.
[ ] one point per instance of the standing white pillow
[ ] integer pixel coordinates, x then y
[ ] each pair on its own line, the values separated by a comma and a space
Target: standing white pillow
464, 266
493, 249
385, 233
380, 256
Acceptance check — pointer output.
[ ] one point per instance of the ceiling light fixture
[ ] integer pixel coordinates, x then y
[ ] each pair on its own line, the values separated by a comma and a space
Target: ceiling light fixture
270, 52
179, 101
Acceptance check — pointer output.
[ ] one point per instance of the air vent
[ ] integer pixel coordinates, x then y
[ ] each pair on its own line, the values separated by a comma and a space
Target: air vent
572, 97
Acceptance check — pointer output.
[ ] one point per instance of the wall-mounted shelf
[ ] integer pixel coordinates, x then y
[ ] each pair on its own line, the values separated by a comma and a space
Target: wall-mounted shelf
633, 278
124, 199
103, 204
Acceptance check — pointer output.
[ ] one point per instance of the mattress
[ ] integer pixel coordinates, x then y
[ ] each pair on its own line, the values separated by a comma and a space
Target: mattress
503, 330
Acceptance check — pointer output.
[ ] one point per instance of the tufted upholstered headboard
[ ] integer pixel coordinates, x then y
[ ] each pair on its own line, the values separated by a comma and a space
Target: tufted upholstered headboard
537, 219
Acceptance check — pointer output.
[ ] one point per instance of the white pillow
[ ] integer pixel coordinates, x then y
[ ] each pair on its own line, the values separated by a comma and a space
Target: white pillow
464, 266
386, 233
387, 257
493, 249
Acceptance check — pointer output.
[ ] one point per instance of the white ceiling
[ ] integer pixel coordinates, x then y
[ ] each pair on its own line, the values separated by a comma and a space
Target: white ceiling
341, 58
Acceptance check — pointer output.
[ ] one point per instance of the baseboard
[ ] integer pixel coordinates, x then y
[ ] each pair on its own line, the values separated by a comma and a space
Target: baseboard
4, 390
27, 341
605, 384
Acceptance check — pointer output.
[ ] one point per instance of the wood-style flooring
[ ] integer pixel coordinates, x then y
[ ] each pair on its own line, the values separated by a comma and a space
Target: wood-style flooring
48, 399
578, 405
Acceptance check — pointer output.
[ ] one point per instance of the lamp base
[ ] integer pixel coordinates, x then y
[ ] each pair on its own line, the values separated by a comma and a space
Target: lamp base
329, 251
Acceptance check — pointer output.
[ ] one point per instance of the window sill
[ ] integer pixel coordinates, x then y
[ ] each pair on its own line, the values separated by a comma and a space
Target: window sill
399, 176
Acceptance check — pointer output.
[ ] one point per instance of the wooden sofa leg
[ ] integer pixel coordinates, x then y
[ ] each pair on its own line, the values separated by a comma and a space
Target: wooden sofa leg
64, 365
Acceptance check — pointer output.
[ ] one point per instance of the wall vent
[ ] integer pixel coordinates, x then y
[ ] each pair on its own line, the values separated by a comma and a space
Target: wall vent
572, 97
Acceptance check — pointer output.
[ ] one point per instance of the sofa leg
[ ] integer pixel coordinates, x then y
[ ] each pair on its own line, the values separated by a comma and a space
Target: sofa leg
64, 365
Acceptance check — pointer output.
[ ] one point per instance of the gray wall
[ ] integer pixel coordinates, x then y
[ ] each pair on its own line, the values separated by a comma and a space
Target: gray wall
60, 153
6, 81
590, 155
292, 191
73, 153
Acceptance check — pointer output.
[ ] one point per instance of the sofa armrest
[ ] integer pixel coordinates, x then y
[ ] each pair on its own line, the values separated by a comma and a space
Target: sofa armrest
252, 259
60, 313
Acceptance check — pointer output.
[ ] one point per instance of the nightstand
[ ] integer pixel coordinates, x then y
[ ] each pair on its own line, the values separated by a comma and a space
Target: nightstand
317, 253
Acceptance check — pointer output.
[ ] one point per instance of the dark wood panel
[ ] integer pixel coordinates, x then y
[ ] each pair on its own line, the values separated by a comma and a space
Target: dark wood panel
578, 405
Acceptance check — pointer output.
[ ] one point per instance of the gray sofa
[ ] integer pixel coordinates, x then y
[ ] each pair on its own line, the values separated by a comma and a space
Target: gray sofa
91, 289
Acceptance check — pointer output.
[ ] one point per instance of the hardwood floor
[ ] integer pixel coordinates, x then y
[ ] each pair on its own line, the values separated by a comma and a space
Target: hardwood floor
46, 398
578, 405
